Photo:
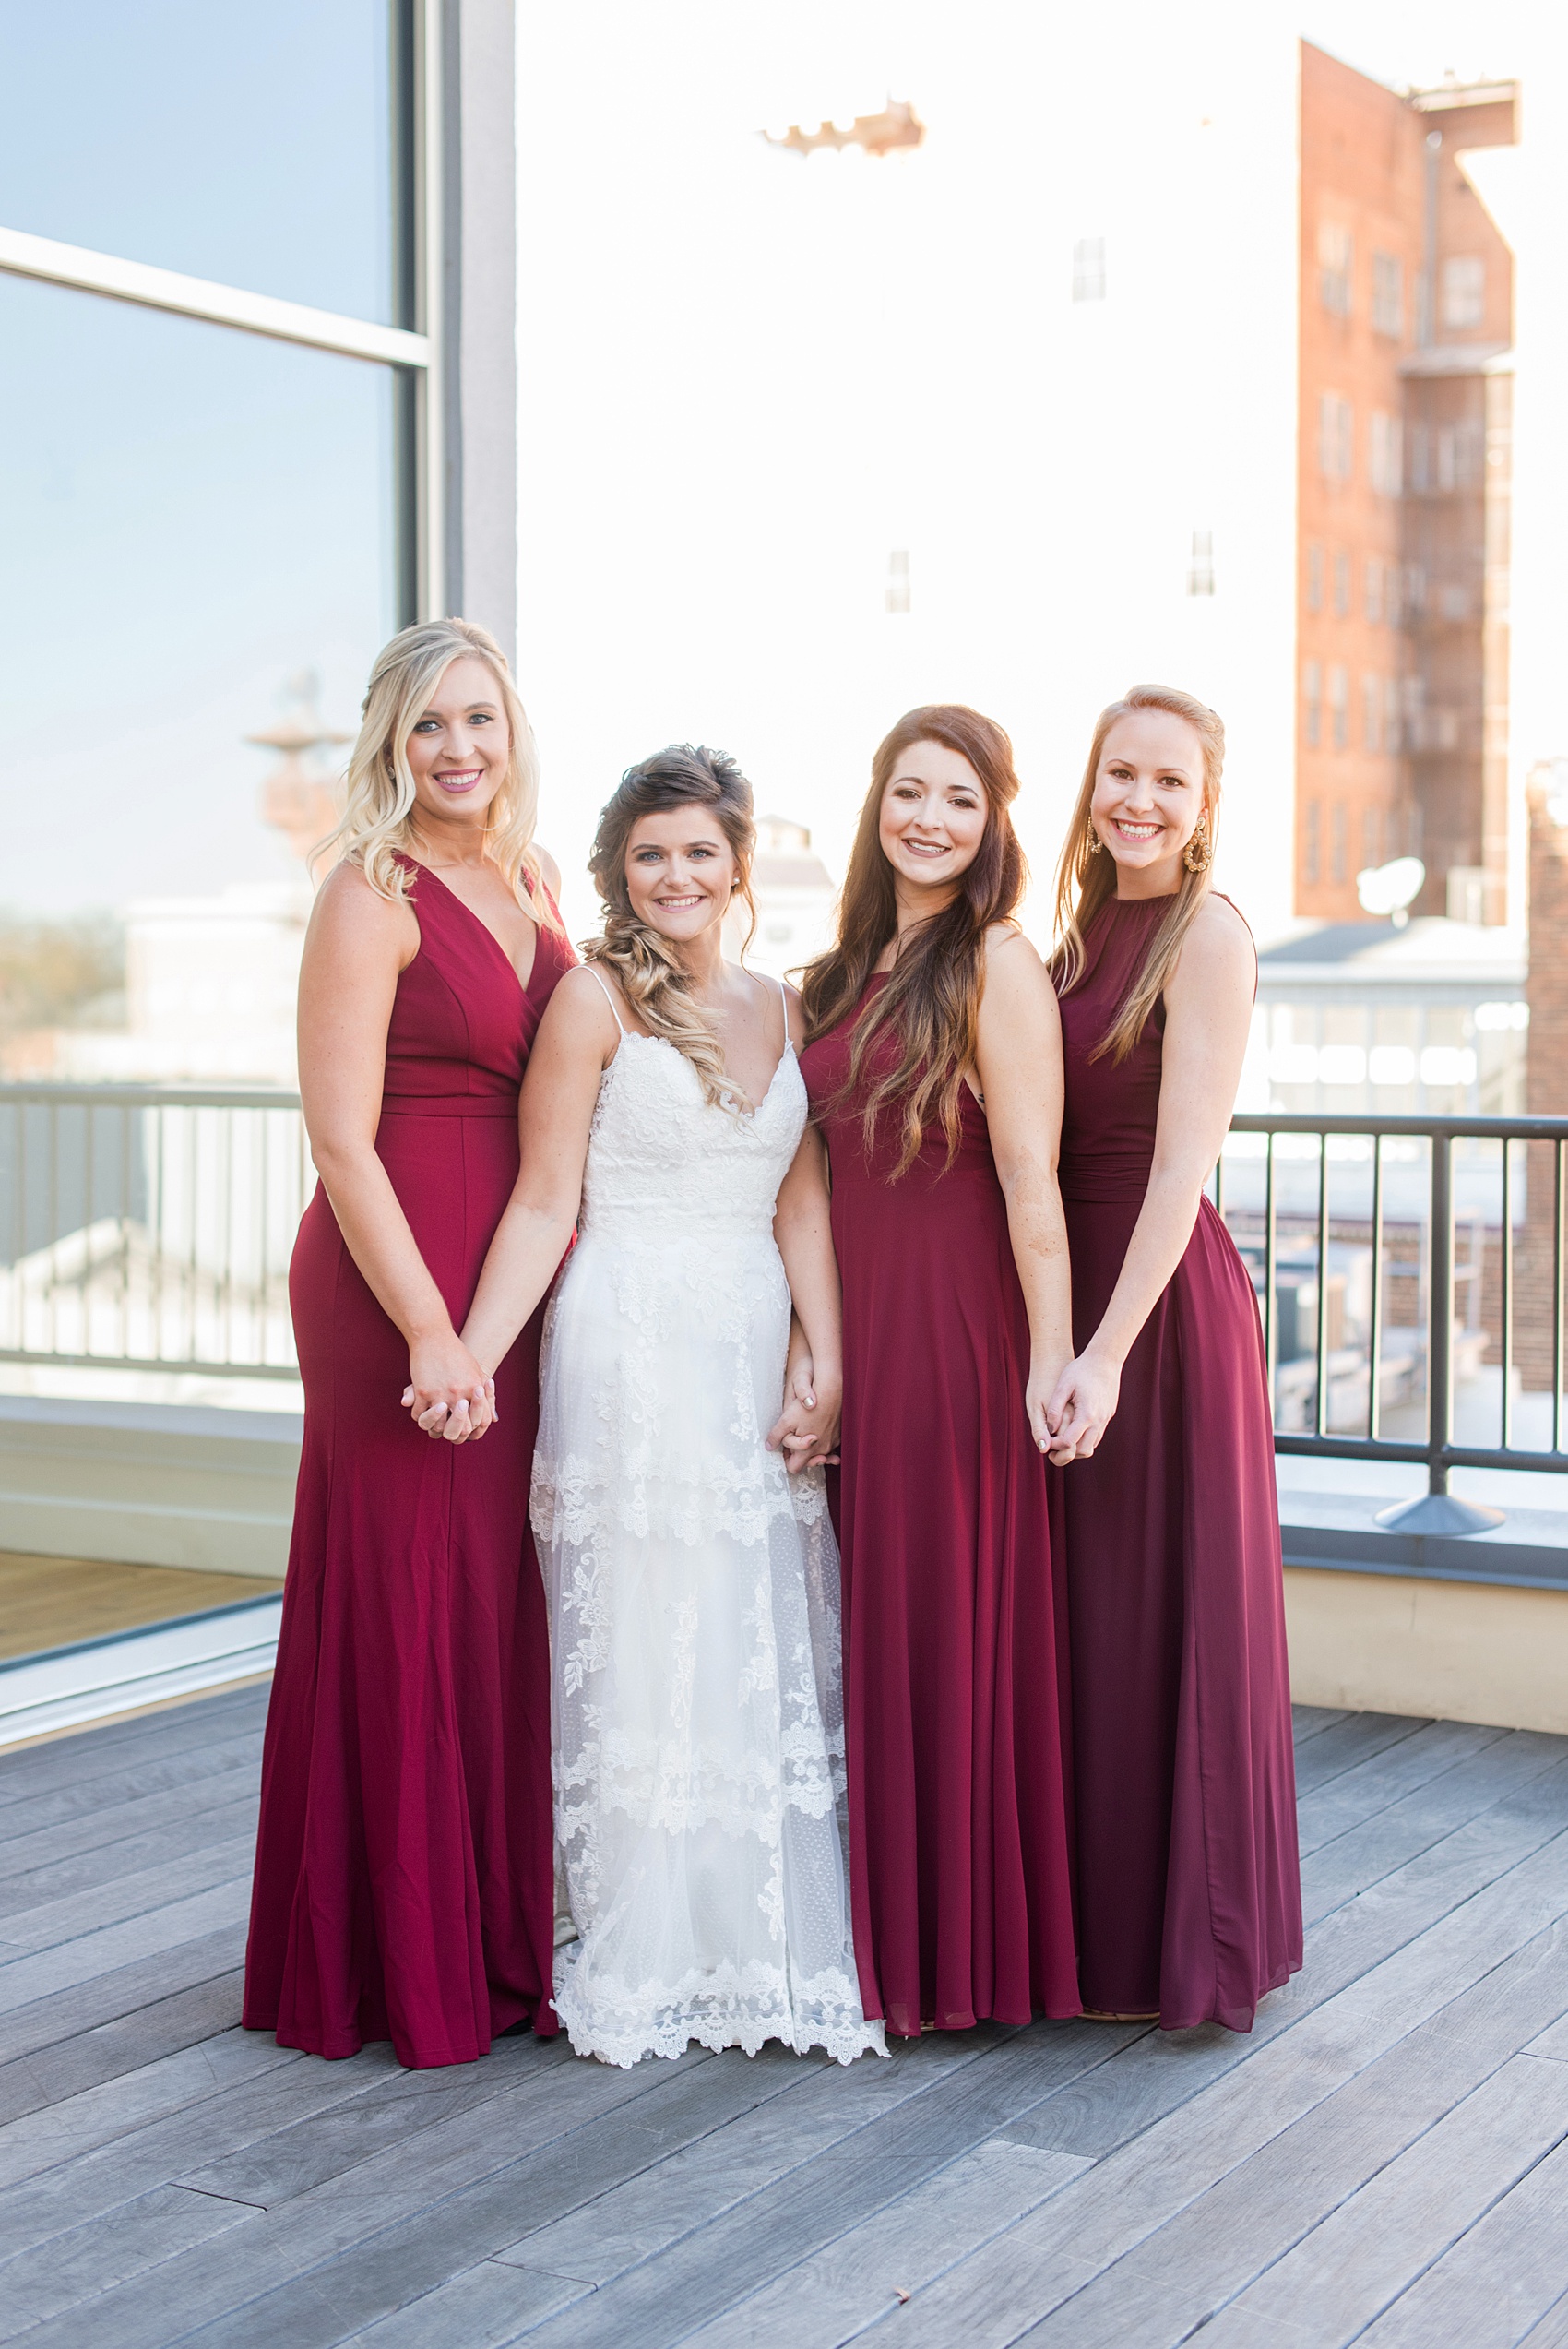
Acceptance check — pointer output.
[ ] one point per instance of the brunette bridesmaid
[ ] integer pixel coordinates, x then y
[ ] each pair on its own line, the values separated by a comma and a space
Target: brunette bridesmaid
934, 1073
1189, 1890
404, 1874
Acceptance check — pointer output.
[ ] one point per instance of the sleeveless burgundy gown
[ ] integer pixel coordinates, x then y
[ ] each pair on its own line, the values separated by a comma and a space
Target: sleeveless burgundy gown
1189, 1886
954, 1640
404, 1875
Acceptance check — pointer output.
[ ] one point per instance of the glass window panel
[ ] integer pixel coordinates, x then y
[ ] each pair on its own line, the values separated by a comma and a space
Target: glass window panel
192, 516
255, 145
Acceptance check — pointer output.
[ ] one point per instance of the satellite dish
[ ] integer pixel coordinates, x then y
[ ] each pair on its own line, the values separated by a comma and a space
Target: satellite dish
1388, 890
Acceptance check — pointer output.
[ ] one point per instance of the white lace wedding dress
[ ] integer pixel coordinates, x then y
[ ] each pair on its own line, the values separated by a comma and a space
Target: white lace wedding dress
697, 1715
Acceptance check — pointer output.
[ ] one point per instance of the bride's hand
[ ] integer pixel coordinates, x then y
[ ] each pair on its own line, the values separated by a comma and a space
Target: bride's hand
806, 1431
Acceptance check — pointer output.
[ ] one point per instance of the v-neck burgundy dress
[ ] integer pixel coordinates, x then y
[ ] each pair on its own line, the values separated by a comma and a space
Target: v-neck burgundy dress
404, 1875
1189, 1887
954, 1635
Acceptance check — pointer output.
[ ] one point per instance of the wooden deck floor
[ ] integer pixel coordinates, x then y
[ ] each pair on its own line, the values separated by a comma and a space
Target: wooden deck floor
1385, 2159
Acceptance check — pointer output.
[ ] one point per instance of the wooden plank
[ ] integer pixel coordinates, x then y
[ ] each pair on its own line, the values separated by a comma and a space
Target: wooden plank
51, 2280
54, 1602
23, 1980
175, 2084
1386, 1778
1162, 2070
130, 1777
1504, 2273
1355, 1739
1395, 1837
1396, 2223
194, 1828
1109, 2219
78, 1916
404, 2204
123, 1746
1309, 1721
839, 2292
110, 1996
67, 2068
108, 1823
637, 2219
1551, 2332
1554, 2043
696, 2280
484, 2307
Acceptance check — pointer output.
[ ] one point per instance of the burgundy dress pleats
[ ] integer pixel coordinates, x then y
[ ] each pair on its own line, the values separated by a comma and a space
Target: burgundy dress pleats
1189, 1886
404, 1873
954, 1640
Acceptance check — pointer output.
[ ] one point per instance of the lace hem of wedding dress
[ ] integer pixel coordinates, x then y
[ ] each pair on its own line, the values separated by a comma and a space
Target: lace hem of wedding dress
724, 2007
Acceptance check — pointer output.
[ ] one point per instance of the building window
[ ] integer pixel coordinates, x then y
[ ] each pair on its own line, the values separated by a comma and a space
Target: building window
1385, 457
1089, 270
1341, 584
1312, 704
1393, 595
1335, 256
1464, 291
1339, 863
1415, 588
1373, 589
1335, 437
1414, 714
898, 579
1314, 577
1454, 604
1372, 837
1200, 569
1339, 704
1392, 731
1372, 712
1388, 295
1311, 846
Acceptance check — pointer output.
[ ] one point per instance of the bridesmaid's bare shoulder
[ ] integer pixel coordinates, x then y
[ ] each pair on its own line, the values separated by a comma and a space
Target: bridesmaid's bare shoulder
352, 923
1018, 985
1217, 958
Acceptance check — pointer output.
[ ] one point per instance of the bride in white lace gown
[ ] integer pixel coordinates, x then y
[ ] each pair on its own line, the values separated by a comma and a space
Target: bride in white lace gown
692, 1582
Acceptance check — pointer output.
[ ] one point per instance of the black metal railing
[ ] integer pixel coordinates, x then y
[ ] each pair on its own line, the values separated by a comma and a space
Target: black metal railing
1418, 1183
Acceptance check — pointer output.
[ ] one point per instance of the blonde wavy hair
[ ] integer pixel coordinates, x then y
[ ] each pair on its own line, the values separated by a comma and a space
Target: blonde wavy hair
647, 966
1086, 877
379, 792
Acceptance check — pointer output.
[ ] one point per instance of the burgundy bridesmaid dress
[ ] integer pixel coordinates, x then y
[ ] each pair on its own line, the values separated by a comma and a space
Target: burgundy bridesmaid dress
1189, 1887
954, 1641
404, 1875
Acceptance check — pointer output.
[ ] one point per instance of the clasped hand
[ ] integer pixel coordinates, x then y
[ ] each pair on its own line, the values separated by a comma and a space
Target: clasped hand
1069, 1422
448, 1393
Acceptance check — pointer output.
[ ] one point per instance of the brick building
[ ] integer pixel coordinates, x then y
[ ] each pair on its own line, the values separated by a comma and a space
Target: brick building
1403, 470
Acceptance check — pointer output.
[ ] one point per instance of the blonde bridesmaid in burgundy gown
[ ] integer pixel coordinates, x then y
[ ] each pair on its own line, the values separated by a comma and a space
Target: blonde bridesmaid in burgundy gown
404, 1875
948, 1232
1189, 1887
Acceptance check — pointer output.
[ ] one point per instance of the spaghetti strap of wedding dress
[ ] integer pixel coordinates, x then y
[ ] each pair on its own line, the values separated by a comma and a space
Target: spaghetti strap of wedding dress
693, 1589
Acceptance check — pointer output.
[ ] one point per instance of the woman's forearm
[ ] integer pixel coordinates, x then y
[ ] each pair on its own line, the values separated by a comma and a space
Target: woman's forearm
812, 1269
1037, 1230
375, 1232
1159, 1243
522, 1260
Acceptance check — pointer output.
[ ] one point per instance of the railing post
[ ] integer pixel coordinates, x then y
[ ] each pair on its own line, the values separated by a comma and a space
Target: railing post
1440, 1338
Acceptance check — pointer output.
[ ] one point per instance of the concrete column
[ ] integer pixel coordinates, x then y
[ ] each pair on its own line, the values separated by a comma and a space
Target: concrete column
479, 312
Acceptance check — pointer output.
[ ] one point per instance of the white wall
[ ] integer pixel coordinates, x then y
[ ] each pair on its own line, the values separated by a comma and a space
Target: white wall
746, 378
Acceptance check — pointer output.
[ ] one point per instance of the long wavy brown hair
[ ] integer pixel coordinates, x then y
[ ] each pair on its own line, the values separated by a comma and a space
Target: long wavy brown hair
1086, 877
931, 1004
652, 974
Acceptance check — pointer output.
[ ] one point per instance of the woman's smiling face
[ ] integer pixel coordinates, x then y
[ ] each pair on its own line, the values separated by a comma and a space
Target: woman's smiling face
932, 818
681, 872
1149, 797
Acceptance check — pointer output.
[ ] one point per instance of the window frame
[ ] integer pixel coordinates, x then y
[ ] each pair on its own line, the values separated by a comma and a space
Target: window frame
414, 355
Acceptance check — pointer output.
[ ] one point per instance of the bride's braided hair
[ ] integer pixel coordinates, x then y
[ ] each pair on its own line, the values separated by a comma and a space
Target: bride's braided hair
646, 965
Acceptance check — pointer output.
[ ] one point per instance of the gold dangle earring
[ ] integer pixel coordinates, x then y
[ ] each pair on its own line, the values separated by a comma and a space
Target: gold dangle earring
1093, 845
1198, 854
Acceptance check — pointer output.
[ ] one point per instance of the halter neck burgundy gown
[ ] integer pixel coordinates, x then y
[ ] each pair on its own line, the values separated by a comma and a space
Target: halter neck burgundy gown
1189, 1887
955, 1642
404, 1874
